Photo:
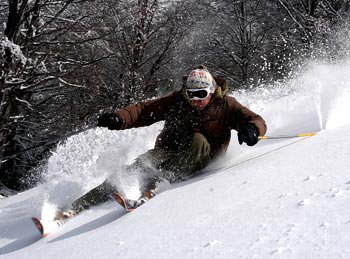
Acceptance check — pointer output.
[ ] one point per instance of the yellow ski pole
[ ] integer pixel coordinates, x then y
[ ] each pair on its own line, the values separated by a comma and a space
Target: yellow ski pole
302, 135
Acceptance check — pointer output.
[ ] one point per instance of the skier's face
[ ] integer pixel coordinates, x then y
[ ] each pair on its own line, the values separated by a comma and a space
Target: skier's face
201, 104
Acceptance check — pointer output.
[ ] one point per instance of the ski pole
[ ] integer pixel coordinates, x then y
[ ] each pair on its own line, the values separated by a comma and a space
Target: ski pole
302, 135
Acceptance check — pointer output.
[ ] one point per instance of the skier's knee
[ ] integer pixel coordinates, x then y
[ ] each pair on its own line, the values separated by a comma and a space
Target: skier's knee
200, 145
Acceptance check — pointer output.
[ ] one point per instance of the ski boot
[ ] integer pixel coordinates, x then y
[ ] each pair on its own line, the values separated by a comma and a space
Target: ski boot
64, 215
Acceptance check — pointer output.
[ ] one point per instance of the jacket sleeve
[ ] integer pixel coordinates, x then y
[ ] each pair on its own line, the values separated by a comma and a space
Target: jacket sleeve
238, 115
145, 113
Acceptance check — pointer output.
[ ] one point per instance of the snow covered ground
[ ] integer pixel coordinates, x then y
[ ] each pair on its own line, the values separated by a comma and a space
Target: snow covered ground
279, 199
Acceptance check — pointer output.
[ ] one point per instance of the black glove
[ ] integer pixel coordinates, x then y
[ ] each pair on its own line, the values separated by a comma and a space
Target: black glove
249, 134
110, 121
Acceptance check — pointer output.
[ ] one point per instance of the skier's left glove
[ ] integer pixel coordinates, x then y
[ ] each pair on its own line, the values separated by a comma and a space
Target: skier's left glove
110, 120
249, 134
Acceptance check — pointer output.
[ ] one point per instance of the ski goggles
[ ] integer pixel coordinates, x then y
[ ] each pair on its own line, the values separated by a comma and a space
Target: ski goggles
198, 93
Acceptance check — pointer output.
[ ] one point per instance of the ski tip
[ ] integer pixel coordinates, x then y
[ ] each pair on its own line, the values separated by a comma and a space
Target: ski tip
39, 225
121, 201
46, 227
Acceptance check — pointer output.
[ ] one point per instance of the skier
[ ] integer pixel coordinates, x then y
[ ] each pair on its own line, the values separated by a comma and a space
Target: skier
198, 123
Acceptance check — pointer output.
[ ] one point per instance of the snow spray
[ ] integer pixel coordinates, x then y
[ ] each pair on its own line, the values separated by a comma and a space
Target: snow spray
332, 84
317, 99
85, 160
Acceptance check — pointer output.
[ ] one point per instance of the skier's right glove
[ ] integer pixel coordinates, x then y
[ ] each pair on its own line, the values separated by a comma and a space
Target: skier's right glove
249, 134
110, 120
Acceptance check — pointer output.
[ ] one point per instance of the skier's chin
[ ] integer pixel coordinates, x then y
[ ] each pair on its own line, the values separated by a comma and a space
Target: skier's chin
200, 104
199, 108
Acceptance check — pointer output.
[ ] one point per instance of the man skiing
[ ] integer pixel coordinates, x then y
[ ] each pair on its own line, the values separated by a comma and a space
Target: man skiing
198, 123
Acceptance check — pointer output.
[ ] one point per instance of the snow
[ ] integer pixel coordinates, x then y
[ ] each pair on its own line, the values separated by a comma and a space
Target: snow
17, 55
284, 198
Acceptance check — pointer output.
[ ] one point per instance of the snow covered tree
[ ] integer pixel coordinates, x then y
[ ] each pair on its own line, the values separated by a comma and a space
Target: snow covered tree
252, 42
43, 79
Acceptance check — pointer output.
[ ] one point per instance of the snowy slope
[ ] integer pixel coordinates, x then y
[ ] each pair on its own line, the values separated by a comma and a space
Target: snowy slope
279, 199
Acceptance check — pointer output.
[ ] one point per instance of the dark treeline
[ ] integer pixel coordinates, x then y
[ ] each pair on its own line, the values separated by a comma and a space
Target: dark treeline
61, 62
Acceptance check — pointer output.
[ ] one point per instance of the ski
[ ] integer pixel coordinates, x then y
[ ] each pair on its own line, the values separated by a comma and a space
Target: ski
47, 227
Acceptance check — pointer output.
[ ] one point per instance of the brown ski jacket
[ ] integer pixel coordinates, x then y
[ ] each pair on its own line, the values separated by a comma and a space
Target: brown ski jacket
215, 122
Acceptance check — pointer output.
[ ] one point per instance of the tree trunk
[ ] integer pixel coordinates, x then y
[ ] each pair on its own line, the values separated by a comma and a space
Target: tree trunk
8, 144
14, 19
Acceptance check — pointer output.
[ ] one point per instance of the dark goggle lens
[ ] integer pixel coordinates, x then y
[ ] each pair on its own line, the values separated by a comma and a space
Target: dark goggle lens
202, 94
